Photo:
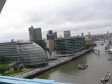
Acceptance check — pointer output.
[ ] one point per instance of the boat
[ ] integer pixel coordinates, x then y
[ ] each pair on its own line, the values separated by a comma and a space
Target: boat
82, 66
106, 77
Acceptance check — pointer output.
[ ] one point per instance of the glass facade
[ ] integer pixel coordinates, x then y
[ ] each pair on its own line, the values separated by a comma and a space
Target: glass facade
29, 53
69, 45
41, 43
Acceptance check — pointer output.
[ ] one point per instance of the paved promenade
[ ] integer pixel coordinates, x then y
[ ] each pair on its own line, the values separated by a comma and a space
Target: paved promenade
53, 64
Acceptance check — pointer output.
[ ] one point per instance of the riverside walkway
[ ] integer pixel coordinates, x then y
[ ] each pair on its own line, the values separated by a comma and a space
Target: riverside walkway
53, 64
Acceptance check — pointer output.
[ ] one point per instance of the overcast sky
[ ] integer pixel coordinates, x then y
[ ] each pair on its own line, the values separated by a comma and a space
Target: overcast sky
78, 16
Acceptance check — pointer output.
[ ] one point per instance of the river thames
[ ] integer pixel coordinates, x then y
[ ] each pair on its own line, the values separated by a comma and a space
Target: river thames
98, 65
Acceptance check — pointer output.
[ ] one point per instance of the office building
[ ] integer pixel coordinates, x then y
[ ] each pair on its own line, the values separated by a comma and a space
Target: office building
89, 40
35, 34
67, 34
41, 43
29, 53
69, 45
82, 34
50, 45
51, 35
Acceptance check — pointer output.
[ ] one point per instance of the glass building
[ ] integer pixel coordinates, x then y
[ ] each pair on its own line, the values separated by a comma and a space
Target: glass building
29, 53
41, 43
69, 45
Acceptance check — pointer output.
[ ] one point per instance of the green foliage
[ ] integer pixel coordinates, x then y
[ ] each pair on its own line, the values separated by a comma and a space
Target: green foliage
4, 68
20, 68
16, 68
89, 45
50, 53
2, 59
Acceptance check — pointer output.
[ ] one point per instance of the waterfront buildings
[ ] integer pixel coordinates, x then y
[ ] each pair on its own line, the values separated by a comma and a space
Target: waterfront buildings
51, 35
41, 43
35, 34
67, 34
89, 40
69, 45
29, 53
50, 45
2, 2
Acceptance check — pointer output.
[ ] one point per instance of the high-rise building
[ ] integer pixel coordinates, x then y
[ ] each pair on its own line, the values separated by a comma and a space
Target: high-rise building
35, 34
89, 33
2, 2
51, 35
50, 45
82, 34
67, 34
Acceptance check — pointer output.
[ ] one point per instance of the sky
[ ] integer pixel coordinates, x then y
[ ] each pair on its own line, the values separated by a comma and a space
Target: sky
78, 16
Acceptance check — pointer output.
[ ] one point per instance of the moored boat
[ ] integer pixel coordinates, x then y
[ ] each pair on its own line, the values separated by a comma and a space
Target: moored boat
106, 77
82, 66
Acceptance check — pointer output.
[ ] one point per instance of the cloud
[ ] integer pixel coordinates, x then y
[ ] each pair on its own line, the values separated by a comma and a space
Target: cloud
58, 15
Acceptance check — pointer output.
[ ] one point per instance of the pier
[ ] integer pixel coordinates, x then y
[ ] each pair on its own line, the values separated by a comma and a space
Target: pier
52, 64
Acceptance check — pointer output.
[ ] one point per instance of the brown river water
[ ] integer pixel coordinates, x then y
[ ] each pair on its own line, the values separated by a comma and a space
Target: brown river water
98, 65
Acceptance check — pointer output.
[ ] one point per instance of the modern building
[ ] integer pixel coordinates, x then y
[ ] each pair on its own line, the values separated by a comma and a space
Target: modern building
89, 40
69, 45
2, 2
67, 34
51, 35
82, 34
50, 45
41, 43
35, 34
29, 53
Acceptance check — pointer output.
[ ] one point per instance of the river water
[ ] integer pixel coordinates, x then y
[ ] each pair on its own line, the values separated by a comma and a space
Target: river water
98, 65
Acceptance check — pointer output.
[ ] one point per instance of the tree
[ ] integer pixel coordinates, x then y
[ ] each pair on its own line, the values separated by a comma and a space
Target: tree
50, 52
15, 68
2, 59
20, 67
4, 68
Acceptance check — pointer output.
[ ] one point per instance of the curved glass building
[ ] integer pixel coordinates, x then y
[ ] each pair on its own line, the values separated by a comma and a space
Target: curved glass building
29, 53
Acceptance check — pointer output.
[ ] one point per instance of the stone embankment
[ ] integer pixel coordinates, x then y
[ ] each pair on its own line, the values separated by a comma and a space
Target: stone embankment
52, 64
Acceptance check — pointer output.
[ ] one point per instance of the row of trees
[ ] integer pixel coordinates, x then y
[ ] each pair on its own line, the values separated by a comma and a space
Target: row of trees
2, 59
5, 67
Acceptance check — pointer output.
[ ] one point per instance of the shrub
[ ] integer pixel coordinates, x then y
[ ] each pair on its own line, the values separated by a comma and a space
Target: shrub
4, 68
2, 59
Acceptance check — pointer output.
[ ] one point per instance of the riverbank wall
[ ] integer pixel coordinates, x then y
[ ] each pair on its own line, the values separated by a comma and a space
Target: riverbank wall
53, 64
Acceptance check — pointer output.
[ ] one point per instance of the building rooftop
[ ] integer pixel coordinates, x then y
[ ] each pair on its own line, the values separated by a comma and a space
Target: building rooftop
12, 80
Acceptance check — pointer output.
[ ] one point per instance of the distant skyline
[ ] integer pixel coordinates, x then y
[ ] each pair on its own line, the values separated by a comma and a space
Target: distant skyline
78, 16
